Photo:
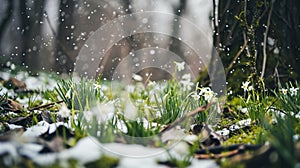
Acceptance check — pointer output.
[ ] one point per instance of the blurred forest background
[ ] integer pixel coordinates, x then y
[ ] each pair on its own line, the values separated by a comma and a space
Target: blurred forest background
253, 36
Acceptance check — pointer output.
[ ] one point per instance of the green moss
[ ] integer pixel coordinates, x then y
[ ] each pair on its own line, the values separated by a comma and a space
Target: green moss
225, 163
252, 136
104, 162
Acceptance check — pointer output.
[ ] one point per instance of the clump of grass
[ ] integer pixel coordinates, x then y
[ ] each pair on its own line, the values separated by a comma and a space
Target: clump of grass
3, 101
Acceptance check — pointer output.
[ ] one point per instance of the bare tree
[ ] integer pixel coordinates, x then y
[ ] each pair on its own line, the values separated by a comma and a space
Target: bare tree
5, 21
31, 25
65, 53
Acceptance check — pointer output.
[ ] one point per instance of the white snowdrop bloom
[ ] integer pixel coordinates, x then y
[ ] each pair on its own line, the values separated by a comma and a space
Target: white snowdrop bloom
297, 115
151, 84
68, 94
179, 65
97, 86
144, 121
244, 110
207, 93
182, 148
139, 101
223, 132
186, 77
104, 87
284, 91
122, 126
64, 112
245, 85
104, 111
130, 88
137, 77
250, 88
296, 137
88, 115
130, 110
294, 91
187, 85
274, 121
195, 96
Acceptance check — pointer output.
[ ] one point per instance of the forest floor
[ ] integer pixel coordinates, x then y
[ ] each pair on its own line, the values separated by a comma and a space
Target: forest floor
51, 121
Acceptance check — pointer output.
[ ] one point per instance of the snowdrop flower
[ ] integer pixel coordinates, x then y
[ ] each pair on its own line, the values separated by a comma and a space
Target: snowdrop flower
96, 86
130, 111
68, 94
187, 85
284, 91
186, 77
195, 96
151, 84
104, 111
245, 86
207, 93
296, 137
250, 88
297, 115
64, 112
88, 115
130, 88
294, 91
180, 66
244, 110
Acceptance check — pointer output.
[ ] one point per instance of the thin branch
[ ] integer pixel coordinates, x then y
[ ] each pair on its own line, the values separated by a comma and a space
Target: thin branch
188, 115
265, 42
282, 19
216, 25
45, 106
237, 54
276, 73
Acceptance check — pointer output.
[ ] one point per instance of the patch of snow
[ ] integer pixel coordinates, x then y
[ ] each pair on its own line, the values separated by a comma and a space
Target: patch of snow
131, 150
13, 126
30, 148
196, 163
140, 162
86, 150
53, 126
173, 134
36, 130
11, 150
41, 159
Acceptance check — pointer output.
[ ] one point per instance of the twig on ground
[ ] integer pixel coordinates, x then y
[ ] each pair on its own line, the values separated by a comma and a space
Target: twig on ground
45, 105
190, 114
